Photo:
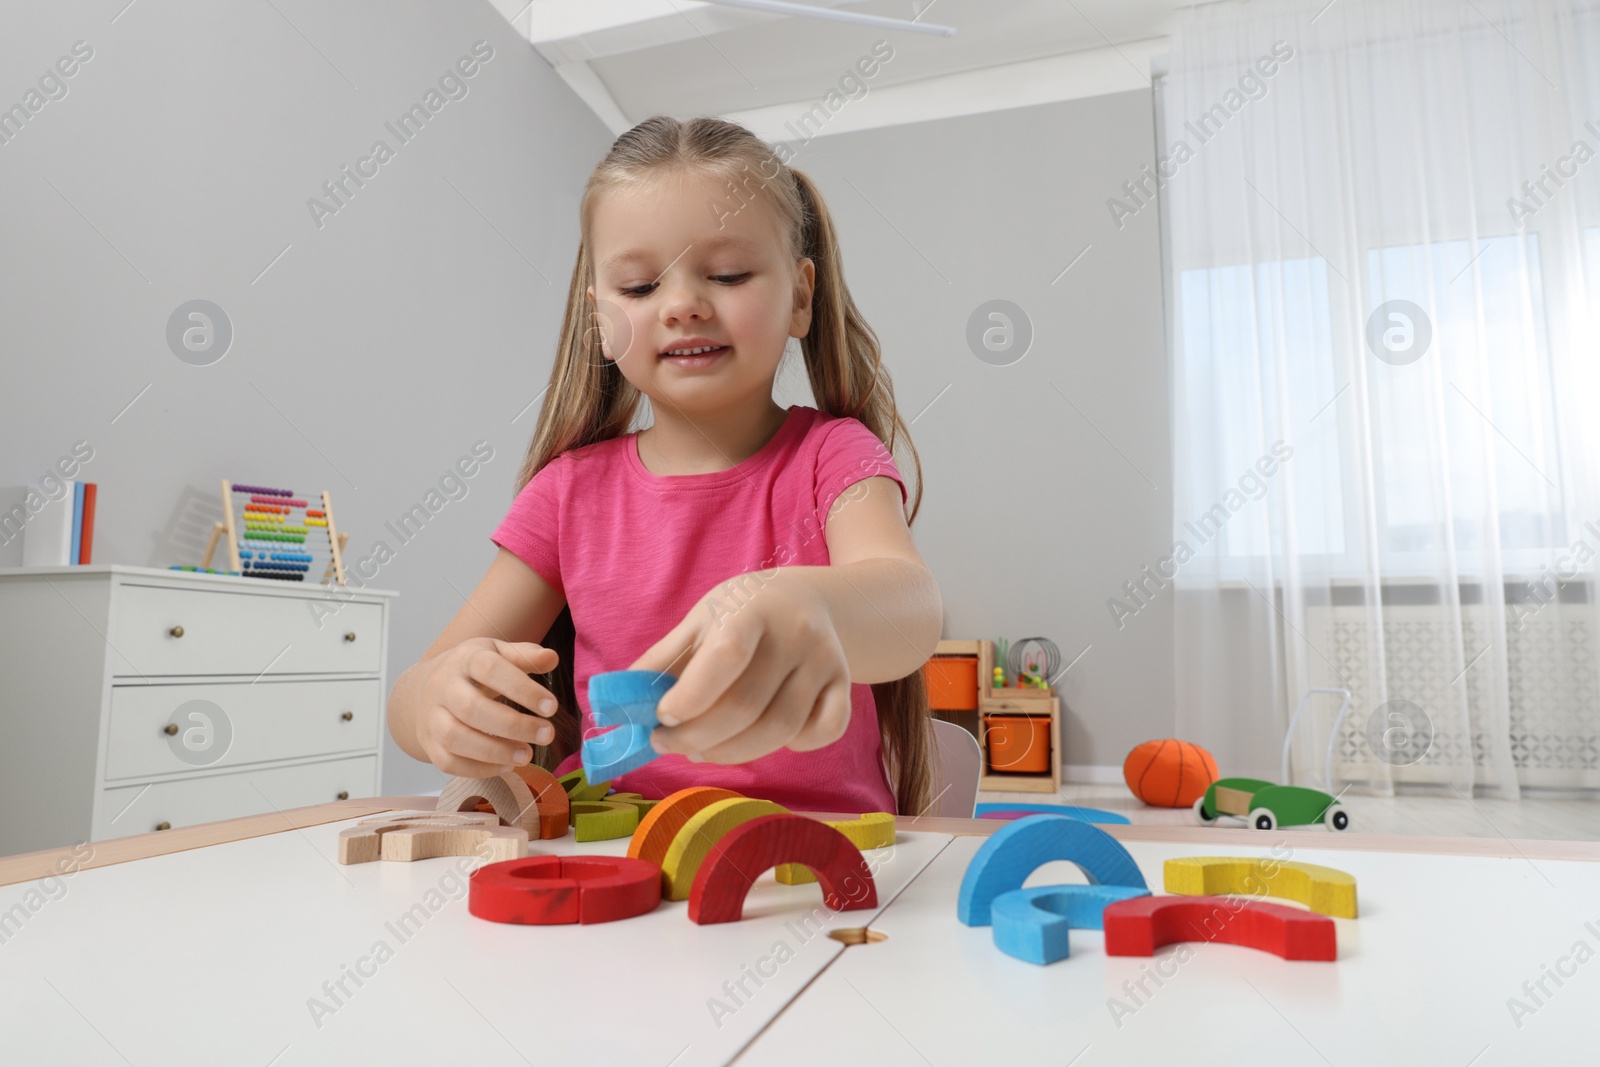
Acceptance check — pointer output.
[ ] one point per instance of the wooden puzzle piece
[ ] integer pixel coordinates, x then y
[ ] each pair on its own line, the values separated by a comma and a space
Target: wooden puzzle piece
405, 836
507, 793
626, 700
578, 786
548, 796
616, 752
701, 833
872, 831
661, 824
1322, 889
603, 820
618, 697
1032, 924
1139, 926
1017, 849
753, 846
546, 890
635, 799
1009, 810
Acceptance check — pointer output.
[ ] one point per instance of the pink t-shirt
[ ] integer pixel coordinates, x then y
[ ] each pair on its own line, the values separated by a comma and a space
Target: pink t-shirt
632, 552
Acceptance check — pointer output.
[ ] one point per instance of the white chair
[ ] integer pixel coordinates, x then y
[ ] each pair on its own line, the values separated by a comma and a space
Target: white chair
956, 764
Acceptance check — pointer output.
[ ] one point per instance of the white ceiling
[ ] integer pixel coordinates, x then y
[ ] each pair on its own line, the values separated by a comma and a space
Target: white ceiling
630, 59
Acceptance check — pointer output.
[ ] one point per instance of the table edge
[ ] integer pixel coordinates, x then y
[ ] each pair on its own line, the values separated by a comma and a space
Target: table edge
32, 866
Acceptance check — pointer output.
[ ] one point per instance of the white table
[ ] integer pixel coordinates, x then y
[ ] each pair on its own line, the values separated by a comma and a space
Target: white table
211, 944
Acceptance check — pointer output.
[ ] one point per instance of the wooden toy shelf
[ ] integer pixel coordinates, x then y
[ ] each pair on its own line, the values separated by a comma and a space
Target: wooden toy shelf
1006, 721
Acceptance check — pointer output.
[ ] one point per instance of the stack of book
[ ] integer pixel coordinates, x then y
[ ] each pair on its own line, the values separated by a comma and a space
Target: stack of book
39, 530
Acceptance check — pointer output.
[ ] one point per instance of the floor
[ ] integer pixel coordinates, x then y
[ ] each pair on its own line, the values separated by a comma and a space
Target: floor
1448, 816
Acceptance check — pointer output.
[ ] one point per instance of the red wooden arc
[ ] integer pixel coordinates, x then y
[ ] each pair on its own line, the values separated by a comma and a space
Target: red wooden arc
547, 890
743, 853
1139, 926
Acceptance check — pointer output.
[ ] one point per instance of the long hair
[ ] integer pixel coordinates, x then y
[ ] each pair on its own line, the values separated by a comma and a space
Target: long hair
590, 400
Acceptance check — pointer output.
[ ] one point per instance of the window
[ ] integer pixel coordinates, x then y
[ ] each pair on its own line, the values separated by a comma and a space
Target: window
1492, 410
1240, 325
1260, 341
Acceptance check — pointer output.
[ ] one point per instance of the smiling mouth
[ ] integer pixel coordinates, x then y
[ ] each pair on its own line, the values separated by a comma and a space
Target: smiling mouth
694, 353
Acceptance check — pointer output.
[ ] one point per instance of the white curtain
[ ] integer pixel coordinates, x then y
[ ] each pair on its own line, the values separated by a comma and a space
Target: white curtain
1383, 234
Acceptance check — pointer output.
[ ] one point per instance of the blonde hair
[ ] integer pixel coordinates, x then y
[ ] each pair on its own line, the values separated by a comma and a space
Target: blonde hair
590, 400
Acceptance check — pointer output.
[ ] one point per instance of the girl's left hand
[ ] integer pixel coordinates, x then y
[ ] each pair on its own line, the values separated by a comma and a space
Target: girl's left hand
767, 671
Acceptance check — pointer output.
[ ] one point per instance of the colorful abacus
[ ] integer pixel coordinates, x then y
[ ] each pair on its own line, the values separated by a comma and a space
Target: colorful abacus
275, 534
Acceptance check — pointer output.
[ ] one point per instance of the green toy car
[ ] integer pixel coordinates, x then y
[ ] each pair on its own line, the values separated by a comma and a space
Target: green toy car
1266, 806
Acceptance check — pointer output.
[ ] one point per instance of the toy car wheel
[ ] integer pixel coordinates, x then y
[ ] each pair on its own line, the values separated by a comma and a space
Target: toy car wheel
1336, 818
1263, 819
1200, 813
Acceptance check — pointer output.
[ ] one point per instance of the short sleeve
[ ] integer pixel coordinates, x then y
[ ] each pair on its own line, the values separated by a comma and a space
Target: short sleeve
531, 530
851, 453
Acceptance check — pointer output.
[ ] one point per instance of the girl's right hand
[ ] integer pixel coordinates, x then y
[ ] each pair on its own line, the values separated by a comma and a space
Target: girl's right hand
461, 727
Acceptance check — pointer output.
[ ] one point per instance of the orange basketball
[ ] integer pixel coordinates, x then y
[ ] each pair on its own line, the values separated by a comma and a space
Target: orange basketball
1170, 773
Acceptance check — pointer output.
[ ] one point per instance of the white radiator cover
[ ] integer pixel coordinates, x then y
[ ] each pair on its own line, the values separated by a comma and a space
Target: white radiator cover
1553, 732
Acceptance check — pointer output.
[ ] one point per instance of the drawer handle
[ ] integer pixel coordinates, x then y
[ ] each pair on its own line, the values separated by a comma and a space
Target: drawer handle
163, 826
344, 794
347, 716
176, 631
351, 636
171, 729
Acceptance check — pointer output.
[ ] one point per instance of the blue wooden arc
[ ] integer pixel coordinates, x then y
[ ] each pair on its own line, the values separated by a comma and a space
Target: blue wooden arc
1022, 847
626, 700
1031, 924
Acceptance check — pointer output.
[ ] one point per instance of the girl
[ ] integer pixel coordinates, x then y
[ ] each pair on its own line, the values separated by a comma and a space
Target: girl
769, 545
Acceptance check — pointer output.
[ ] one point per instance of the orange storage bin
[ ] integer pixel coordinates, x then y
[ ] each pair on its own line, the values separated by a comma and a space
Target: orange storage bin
1018, 744
952, 683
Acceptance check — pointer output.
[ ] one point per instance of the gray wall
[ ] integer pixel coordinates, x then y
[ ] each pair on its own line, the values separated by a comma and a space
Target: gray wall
1048, 481
419, 319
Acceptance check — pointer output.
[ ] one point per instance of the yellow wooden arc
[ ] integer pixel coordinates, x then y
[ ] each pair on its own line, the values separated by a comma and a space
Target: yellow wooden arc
1322, 889
700, 834
873, 830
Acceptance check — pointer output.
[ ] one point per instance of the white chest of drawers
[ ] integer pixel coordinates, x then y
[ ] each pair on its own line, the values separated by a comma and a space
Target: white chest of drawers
135, 699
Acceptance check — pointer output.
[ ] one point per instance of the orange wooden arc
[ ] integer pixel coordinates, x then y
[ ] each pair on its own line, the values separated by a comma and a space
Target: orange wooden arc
661, 823
762, 843
552, 801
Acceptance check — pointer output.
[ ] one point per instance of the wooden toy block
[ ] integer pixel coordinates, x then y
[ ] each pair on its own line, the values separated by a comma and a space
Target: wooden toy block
627, 697
419, 835
1139, 926
507, 793
603, 820
702, 833
1324, 890
661, 824
873, 830
578, 786
548, 796
626, 700
1032, 924
635, 799
546, 890
754, 846
1019, 848
616, 752
1009, 810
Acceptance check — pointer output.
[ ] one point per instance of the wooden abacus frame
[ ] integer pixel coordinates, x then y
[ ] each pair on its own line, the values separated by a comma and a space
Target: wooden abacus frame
336, 540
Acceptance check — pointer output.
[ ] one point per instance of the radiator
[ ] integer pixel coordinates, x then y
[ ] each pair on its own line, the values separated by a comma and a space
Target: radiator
1553, 732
